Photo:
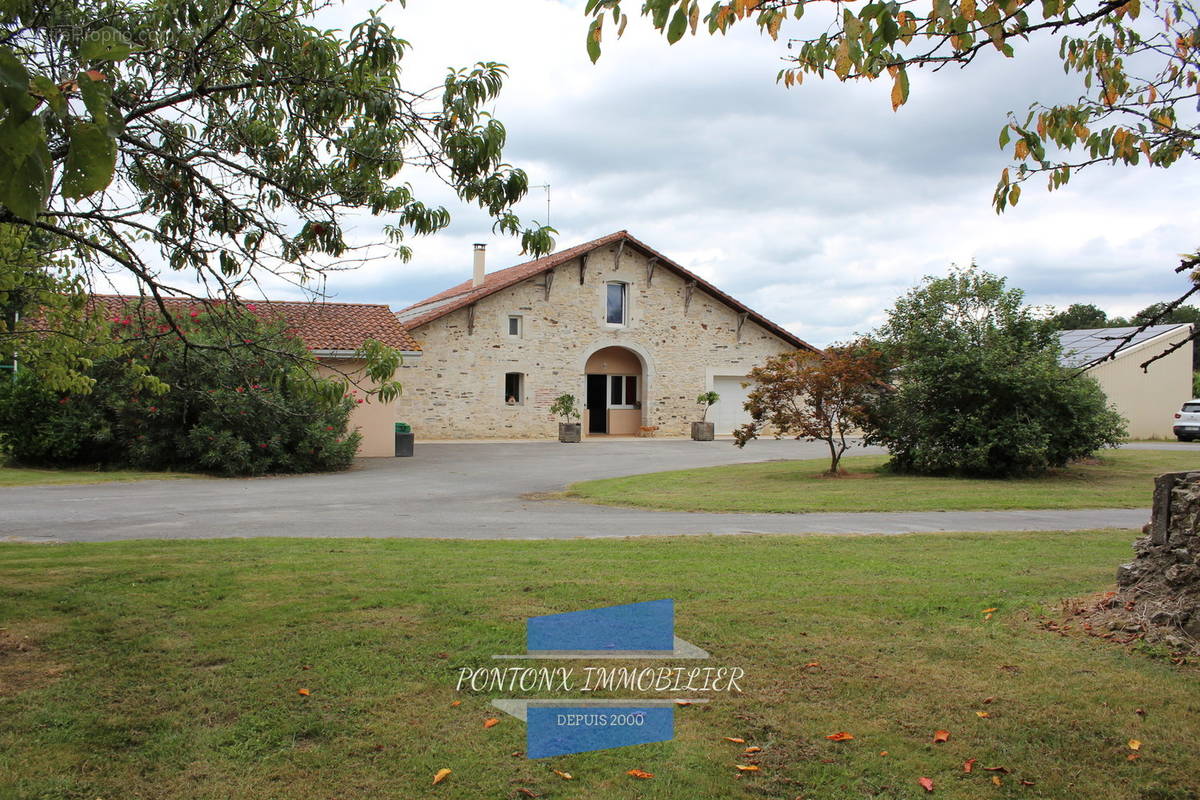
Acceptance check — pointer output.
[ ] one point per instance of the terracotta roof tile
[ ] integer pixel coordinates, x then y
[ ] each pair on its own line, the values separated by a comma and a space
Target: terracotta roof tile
320, 325
464, 294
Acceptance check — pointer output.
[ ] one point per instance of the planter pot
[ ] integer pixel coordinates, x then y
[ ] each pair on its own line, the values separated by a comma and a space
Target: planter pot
570, 431
404, 445
703, 431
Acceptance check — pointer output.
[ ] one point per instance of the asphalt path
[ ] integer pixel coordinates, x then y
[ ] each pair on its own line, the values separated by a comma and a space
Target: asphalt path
469, 490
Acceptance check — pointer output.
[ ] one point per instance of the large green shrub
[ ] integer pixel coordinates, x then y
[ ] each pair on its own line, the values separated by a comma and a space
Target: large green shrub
238, 398
977, 389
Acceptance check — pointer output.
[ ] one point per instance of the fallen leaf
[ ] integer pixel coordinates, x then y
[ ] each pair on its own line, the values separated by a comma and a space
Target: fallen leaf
640, 773
883, 752
440, 776
1027, 783
304, 692
982, 714
940, 736
1141, 712
840, 736
566, 776
734, 739
456, 703
1133, 756
926, 784
490, 721
517, 753
1134, 744
996, 780
812, 665
987, 701
683, 702
527, 792
969, 764
987, 611
752, 750
996, 769
746, 767
987, 616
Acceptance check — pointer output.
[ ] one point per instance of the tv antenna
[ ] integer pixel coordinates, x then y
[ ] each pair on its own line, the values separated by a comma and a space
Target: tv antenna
545, 186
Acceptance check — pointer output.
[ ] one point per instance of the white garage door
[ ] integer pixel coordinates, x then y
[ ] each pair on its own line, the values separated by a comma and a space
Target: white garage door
729, 413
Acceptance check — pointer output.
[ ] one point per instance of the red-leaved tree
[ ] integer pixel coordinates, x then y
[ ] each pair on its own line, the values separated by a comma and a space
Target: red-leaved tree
817, 396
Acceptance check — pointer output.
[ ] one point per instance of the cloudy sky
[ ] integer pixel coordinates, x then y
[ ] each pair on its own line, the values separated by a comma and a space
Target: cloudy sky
816, 206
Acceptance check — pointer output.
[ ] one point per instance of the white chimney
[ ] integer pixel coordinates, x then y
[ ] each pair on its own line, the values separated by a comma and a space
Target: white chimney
480, 257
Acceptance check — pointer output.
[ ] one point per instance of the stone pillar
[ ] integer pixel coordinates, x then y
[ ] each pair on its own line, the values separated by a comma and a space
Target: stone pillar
1163, 581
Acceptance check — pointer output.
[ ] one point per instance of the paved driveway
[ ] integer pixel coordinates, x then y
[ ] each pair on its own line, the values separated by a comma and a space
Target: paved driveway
469, 491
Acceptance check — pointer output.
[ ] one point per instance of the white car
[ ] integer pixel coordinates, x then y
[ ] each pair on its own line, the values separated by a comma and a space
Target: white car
1187, 421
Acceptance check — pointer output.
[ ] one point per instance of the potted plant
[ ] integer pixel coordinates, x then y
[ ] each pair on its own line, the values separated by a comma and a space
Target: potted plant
565, 407
704, 431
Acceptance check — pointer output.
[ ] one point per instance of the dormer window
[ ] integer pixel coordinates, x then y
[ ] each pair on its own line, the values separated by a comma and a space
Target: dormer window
616, 307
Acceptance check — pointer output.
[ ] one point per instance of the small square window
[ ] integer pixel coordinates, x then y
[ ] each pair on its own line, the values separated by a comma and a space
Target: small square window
514, 388
515, 325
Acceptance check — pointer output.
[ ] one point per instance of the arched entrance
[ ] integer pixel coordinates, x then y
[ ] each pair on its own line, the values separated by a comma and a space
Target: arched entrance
615, 392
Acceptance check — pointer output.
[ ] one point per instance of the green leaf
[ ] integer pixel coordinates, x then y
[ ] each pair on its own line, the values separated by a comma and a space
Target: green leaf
96, 97
14, 86
593, 39
44, 87
19, 138
1004, 137
678, 25
91, 159
13, 74
25, 181
105, 44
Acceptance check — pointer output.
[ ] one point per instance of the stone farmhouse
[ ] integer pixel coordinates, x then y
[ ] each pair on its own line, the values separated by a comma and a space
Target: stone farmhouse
631, 333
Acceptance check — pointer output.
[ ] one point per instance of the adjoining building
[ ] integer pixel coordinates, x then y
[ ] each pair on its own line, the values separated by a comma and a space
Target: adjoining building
333, 332
632, 334
1146, 398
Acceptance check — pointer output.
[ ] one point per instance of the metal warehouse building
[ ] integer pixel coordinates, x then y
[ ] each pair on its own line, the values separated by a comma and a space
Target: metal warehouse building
1146, 398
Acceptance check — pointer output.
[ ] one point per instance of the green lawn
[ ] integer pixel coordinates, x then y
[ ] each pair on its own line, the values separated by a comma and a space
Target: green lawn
172, 670
17, 476
1121, 479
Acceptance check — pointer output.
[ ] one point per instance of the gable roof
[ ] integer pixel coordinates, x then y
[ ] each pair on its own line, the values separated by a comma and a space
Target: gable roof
465, 293
341, 327
1089, 346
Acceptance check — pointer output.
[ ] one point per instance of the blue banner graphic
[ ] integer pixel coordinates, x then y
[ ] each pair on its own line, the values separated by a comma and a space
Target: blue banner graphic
558, 731
636, 626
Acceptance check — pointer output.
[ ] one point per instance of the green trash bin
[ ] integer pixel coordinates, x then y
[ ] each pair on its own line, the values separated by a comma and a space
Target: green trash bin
404, 440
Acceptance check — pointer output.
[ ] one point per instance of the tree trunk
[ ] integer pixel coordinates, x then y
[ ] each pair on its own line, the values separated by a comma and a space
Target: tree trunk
835, 457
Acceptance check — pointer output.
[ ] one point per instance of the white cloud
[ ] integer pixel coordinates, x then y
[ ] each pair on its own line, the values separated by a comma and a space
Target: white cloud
816, 205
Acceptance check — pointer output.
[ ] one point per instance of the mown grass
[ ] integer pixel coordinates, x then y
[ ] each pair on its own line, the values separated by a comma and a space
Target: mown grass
1118, 479
168, 670
20, 476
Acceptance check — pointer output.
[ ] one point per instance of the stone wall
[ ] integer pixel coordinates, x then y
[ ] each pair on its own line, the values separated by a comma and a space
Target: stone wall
456, 389
1160, 589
